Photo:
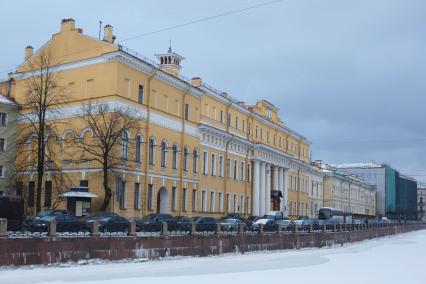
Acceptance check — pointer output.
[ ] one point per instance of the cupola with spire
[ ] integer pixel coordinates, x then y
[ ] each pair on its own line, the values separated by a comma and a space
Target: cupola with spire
170, 61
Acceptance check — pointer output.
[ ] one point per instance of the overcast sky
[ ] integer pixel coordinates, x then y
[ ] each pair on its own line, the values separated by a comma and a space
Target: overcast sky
348, 75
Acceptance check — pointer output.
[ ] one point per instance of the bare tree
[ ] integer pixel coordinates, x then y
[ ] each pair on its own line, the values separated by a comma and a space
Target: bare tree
39, 131
108, 126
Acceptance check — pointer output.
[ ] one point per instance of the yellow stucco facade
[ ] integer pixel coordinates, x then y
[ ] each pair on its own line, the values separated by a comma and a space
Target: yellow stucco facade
230, 157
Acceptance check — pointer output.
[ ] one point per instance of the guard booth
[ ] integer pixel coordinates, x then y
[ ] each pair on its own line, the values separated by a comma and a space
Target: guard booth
79, 200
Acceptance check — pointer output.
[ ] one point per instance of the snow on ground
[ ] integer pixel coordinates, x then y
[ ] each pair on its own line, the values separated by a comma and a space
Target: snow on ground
396, 259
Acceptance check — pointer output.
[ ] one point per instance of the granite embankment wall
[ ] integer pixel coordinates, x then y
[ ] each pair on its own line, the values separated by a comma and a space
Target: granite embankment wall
45, 250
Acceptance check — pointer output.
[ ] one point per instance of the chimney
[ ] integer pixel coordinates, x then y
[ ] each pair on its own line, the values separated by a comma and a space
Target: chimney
196, 81
28, 52
225, 94
67, 25
108, 36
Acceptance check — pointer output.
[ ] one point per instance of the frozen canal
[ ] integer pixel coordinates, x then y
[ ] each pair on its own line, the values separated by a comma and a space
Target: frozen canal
397, 259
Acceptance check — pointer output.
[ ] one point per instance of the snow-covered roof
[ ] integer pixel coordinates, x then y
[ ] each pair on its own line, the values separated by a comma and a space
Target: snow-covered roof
5, 100
79, 194
367, 165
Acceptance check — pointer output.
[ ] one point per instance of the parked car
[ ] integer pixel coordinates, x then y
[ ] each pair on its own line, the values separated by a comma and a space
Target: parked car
108, 221
231, 224
44, 213
275, 215
286, 224
153, 222
157, 219
64, 223
203, 223
251, 219
268, 225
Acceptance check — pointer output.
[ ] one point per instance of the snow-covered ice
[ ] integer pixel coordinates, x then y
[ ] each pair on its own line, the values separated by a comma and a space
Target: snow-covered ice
396, 259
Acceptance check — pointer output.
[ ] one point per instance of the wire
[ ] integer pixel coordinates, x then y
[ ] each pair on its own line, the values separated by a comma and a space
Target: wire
236, 11
371, 141
209, 18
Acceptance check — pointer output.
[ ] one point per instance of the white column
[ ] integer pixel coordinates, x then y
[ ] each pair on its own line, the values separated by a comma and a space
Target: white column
285, 193
262, 189
281, 187
275, 180
268, 188
256, 188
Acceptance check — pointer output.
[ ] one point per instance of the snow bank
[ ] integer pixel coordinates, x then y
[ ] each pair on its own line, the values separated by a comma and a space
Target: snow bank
396, 259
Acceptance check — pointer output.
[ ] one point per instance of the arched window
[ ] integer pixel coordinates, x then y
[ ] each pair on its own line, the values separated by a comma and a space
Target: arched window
175, 154
185, 159
124, 145
151, 151
195, 161
163, 153
138, 157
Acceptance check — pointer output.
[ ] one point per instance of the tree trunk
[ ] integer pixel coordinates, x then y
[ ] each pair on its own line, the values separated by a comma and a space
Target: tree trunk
40, 169
107, 190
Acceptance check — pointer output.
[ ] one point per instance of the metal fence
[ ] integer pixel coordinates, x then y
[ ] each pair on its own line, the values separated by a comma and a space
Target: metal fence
162, 229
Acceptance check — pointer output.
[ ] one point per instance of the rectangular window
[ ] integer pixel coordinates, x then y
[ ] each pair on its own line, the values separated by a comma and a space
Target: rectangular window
228, 168
221, 116
186, 111
257, 130
194, 200
249, 171
229, 119
275, 139
140, 94
221, 166
3, 119
204, 163
122, 197
174, 198
249, 127
242, 204
31, 188
1, 171
212, 209
203, 201
267, 136
248, 205
235, 170
228, 203
213, 165
84, 183
243, 125
19, 188
2, 144
236, 207
261, 134
236, 122
89, 88
47, 193
242, 171
184, 199
150, 196
220, 199
137, 196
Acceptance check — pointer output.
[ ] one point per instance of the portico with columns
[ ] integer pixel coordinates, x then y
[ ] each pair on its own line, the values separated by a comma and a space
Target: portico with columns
270, 169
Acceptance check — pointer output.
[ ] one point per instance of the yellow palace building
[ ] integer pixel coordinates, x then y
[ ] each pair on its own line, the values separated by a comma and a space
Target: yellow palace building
198, 151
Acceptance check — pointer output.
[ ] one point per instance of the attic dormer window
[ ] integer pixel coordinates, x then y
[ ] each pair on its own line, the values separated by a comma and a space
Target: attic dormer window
269, 113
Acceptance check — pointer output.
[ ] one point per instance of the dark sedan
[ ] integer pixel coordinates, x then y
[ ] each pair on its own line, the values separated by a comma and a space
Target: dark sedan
108, 222
64, 223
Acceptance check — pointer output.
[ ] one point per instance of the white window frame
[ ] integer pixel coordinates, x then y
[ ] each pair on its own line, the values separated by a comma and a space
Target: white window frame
213, 164
212, 201
205, 163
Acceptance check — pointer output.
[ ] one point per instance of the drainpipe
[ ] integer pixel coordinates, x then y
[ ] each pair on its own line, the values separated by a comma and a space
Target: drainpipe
148, 121
182, 140
247, 181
